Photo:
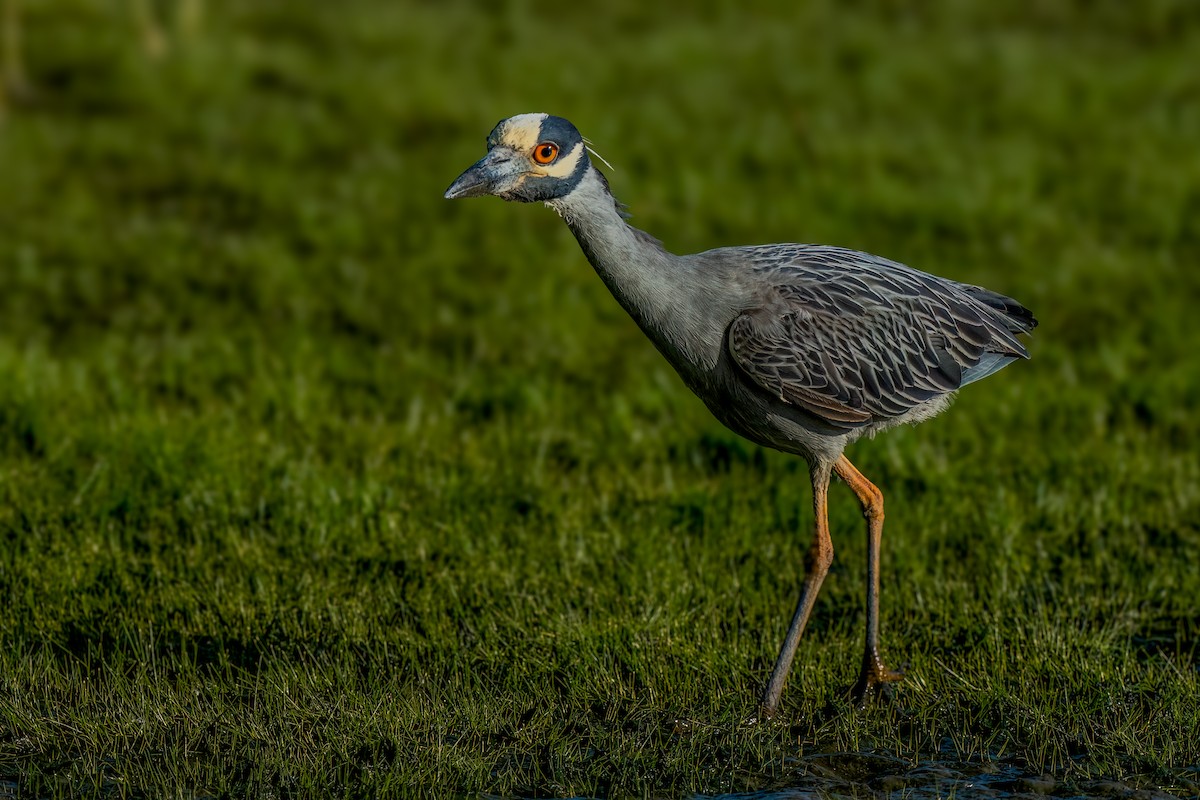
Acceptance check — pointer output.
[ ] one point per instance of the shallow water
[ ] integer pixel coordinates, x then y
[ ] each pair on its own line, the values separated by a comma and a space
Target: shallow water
862, 775
842, 775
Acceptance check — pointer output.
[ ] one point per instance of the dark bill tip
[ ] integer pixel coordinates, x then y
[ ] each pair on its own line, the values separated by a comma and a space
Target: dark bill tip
491, 174
467, 185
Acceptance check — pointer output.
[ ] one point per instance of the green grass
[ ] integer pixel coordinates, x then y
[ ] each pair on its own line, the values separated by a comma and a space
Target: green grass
312, 483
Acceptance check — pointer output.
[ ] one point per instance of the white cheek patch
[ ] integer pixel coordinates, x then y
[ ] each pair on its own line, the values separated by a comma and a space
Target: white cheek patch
565, 166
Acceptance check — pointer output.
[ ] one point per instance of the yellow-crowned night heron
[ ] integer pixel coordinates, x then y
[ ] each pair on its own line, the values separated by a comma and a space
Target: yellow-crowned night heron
803, 348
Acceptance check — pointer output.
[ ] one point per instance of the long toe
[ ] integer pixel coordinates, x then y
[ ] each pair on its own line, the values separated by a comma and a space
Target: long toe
762, 716
873, 678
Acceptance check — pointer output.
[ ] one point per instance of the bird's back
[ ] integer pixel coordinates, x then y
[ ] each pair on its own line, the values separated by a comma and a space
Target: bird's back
856, 339
849, 271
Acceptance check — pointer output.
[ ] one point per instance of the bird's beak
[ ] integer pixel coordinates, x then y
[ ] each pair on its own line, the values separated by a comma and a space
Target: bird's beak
496, 172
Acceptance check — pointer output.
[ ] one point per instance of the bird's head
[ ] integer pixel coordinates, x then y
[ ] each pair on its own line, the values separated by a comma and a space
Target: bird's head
531, 158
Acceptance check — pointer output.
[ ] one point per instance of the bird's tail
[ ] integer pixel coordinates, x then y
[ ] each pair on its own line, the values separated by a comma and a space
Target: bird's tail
1017, 318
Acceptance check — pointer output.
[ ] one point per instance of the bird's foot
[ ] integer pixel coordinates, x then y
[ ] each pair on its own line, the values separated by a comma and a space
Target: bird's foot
764, 715
874, 678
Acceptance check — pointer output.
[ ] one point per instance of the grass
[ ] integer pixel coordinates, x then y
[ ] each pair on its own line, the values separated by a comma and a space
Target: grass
312, 483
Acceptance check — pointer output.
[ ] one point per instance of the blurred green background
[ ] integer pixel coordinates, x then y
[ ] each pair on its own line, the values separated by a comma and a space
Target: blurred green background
313, 482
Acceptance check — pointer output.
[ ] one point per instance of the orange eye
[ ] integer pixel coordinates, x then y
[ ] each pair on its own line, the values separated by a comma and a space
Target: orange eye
545, 152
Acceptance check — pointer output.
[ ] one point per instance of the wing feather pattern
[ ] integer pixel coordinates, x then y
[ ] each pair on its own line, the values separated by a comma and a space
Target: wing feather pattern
854, 338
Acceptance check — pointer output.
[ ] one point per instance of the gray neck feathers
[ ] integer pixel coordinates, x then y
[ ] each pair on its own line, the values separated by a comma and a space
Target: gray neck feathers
665, 294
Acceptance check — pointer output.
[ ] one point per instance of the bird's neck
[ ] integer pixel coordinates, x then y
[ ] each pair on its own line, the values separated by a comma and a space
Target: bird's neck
657, 288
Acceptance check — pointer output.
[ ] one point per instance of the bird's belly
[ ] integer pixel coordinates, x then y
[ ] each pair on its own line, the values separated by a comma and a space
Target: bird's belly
770, 422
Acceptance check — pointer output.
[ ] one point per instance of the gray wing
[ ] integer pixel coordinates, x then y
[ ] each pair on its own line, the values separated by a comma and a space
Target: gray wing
854, 338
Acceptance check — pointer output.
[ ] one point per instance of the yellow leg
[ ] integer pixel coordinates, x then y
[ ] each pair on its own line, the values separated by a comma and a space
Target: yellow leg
820, 556
874, 672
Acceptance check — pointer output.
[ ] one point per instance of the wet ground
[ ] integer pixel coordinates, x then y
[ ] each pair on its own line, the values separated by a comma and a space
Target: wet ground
821, 775
860, 775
